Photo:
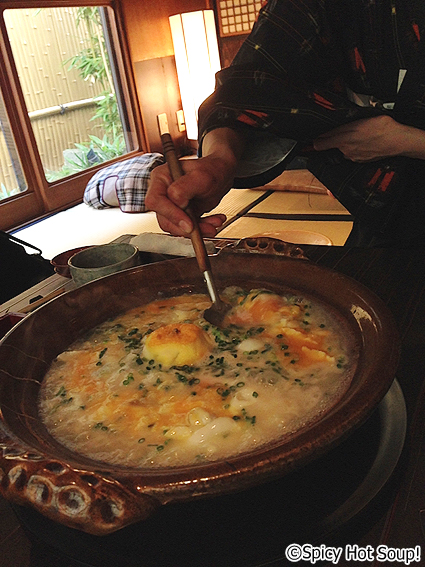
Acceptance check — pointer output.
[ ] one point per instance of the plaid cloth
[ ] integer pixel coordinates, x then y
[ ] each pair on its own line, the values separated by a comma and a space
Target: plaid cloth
131, 179
289, 83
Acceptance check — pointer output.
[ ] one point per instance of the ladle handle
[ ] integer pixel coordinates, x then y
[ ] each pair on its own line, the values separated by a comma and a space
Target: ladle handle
177, 172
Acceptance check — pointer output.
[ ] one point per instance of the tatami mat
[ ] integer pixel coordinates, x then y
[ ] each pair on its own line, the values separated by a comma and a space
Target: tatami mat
299, 232
300, 203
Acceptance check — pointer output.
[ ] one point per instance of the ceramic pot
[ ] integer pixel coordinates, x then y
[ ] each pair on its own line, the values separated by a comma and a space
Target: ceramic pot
98, 498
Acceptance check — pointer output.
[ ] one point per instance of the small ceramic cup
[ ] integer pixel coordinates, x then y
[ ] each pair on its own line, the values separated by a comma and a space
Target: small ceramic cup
60, 262
98, 261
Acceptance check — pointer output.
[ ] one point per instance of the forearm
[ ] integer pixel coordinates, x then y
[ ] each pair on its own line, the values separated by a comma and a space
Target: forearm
374, 138
411, 142
224, 143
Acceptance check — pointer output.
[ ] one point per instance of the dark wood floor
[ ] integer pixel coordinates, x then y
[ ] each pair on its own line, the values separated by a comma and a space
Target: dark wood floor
16, 549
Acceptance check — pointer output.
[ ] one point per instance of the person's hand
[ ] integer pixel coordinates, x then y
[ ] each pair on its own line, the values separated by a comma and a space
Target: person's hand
204, 184
374, 138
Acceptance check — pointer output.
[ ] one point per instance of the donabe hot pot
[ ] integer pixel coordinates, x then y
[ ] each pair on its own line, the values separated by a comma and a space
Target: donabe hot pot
99, 498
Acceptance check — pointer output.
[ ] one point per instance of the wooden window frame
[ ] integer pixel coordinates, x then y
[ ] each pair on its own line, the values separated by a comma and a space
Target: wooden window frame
43, 198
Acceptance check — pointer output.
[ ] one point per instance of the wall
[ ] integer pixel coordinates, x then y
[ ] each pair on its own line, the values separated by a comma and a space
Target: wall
152, 54
228, 47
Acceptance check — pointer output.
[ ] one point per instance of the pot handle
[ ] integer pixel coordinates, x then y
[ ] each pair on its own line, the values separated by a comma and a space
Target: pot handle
86, 500
265, 245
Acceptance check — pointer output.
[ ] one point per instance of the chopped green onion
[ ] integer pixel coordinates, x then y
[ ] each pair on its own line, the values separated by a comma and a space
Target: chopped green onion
128, 380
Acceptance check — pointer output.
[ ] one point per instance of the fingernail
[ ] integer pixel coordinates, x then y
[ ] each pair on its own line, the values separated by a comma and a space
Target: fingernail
185, 226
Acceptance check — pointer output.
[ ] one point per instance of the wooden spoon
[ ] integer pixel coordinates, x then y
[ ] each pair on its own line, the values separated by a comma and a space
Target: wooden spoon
216, 313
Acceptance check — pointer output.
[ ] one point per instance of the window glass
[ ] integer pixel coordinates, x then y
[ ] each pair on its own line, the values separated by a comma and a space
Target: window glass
12, 181
65, 65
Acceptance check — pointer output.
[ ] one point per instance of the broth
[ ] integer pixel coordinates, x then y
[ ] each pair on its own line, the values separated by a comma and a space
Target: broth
160, 387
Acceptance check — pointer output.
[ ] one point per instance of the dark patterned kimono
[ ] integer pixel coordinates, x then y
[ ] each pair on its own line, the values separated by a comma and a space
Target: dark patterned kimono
311, 65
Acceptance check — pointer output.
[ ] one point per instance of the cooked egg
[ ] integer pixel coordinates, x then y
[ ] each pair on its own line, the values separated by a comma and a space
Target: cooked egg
177, 345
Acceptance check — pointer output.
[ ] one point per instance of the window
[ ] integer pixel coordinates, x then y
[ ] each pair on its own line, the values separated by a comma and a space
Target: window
66, 103
12, 177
